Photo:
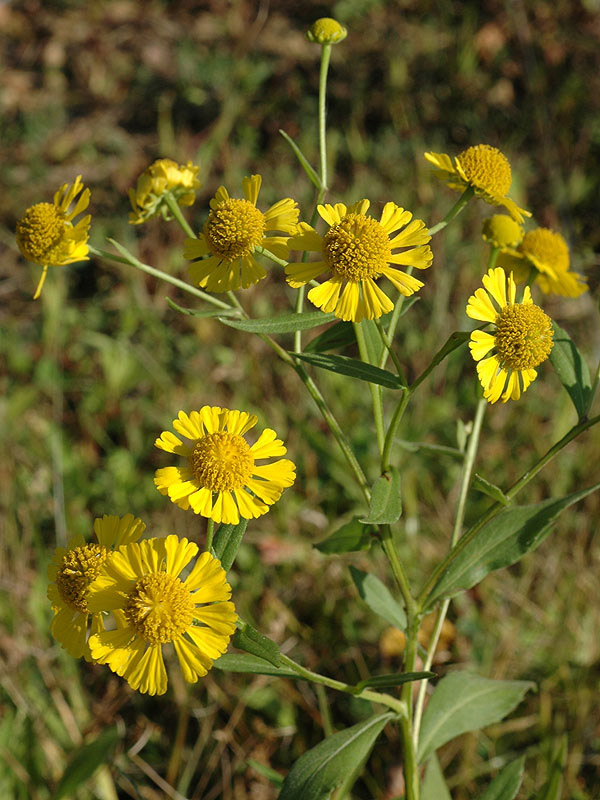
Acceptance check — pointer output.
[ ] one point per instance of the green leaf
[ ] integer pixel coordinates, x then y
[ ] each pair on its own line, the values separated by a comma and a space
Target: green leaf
240, 662
455, 340
286, 323
434, 785
257, 644
339, 335
502, 541
211, 312
386, 500
377, 596
319, 771
490, 489
572, 370
344, 365
465, 702
552, 789
267, 772
506, 784
226, 542
349, 538
85, 761
394, 679
373, 341
304, 162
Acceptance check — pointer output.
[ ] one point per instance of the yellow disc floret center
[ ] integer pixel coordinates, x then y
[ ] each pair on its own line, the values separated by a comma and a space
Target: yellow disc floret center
159, 608
78, 569
356, 248
523, 336
546, 248
486, 168
40, 228
234, 228
222, 462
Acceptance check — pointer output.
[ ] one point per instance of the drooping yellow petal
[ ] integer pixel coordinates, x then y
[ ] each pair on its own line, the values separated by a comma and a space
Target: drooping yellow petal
326, 295
347, 306
479, 306
480, 344
250, 507
193, 662
298, 274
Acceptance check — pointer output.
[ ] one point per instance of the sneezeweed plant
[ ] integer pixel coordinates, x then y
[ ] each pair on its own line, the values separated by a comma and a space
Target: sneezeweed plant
138, 597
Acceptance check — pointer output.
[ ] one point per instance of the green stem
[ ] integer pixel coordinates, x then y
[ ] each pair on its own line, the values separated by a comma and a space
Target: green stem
298, 309
398, 570
467, 471
210, 532
132, 261
497, 507
454, 211
268, 254
492, 258
175, 209
325, 56
376, 393
393, 427
395, 318
388, 346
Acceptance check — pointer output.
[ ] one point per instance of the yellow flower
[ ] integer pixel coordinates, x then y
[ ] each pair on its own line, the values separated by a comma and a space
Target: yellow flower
222, 480
234, 229
326, 31
71, 572
46, 235
153, 606
164, 175
547, 252
356, 250
502, 231
485, 169
521, 341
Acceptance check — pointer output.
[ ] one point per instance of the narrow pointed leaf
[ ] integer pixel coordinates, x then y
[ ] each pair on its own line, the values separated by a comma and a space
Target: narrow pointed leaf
267, 772
84, 762
351, 537
304, 162
394, 679
386, 500
336, 336
501, 542
434, 785
553, 788
319, 771
455, 340
249, 639
465, 702
378, 597
211, 312
490, 489
373, 341
506, 784
253, 665
572, 370
353, 368
285, 323
226, 542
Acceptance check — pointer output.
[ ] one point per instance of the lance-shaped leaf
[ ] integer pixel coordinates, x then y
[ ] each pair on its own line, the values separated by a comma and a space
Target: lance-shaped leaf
386, 500
353, 368
319, 771
553, 788
485, 487
378, 597
351, 537
257, 644
506, 784
226, 542
465, 702
572, 370
252, 665
85, 761
286, 323
455, 340
339, 335
211, 312
304, 162
502, 541
434, 785
393, 679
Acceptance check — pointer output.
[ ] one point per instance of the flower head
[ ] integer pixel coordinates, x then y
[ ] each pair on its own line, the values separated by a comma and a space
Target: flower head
154, 606
71, 572
46, 235
547, 252
521, 341
326, 31
234, 229
164, 175
355, 252
222, 480
500, 230
485, 169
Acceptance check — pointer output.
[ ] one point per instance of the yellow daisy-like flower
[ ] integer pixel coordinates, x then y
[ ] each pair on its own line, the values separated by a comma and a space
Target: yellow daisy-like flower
356, 250
222, 480
71, 572
164, 175
546, 251
522, 339
326, 31
153, 606
485, 169
46, 234
234, 229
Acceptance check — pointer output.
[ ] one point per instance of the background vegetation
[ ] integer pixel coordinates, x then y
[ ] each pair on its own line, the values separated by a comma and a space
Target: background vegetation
101, 364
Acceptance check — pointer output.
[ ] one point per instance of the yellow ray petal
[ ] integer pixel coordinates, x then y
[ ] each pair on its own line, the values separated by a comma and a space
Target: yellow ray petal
326, 295
332, 214
480, 344
193, 662
347, 306
268, 445
479, 306
495, 283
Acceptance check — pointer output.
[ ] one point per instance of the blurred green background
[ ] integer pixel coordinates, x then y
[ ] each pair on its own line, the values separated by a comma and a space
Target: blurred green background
97, 368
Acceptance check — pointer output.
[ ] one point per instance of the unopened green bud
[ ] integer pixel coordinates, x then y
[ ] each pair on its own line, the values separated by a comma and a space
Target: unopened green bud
326, 31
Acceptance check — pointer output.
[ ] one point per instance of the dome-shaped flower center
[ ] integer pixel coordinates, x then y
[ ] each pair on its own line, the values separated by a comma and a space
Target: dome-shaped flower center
546, 248
523, 336
502, 231
38, 230
222, 461
160, 608
234, 228
356, 248
78, 569
486, 168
